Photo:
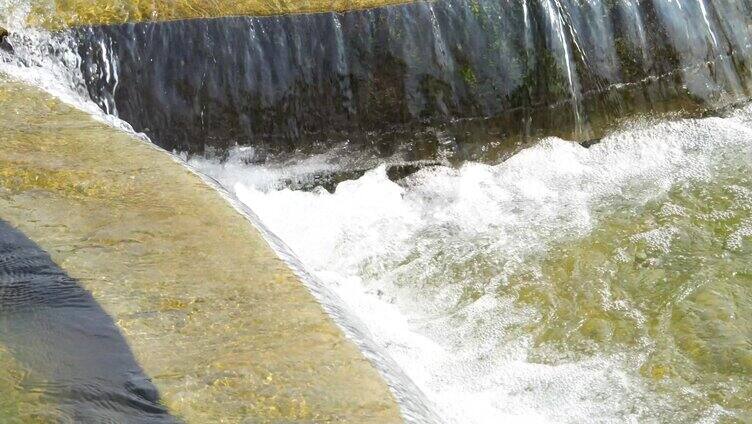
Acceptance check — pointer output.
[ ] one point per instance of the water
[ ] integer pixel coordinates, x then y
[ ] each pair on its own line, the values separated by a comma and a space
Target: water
461, 77
68, 351
563, 285
221, 324
215, 348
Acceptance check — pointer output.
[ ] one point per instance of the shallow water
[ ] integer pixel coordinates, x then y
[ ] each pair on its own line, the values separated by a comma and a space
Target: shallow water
68, 352
164, 276
560, 285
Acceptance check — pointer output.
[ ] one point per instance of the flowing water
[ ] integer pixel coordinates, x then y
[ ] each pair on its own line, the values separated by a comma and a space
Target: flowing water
458, 76
565, 284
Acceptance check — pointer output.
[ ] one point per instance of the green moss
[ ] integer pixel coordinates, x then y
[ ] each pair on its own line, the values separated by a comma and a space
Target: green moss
630, 65
468, 75
475, 8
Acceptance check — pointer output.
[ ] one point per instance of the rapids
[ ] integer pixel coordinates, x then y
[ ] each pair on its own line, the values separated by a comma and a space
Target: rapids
560, 285
563, 284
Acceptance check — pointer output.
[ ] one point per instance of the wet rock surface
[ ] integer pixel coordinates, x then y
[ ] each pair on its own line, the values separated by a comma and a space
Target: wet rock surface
4, 44
463, 77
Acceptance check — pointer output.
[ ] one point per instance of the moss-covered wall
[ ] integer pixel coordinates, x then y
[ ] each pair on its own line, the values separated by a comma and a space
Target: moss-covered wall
464, 76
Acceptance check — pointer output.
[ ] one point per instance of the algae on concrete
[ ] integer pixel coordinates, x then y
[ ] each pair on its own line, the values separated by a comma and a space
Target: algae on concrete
224, 328
59, 14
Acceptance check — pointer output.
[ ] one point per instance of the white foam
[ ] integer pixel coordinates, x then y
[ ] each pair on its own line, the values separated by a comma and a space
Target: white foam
402, 258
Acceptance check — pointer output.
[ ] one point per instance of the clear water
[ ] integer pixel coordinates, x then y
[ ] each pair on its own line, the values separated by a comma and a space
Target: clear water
35, 381
565, 284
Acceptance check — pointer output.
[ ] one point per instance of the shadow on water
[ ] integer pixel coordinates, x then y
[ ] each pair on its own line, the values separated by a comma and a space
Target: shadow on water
76, 355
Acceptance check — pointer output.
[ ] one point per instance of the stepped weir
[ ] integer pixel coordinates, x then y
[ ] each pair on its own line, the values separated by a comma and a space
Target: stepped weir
136, 288
465, 77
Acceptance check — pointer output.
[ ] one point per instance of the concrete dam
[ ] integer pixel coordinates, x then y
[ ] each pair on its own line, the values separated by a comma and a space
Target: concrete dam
376, 211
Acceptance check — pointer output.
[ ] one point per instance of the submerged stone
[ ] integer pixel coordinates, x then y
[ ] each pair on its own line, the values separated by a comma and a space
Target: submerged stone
667, 286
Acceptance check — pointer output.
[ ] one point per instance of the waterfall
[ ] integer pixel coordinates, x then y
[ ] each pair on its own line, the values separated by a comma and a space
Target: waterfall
456, 75
512, 274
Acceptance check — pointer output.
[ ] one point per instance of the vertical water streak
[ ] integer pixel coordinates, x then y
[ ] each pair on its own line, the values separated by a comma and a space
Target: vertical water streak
633, 19
558, 25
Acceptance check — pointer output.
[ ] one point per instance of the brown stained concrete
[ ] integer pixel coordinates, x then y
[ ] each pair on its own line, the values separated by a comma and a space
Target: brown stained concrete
58, 14
220, 323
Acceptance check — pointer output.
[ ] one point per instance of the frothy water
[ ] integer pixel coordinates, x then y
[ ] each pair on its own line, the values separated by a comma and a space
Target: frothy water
48, 61
562, 285
498, 288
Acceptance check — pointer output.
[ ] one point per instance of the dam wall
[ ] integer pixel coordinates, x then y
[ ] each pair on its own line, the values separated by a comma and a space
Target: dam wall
562, 284
466, 77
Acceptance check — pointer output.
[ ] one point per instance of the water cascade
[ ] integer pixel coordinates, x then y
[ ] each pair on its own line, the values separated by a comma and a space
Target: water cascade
562, 284
464, 77
537, 210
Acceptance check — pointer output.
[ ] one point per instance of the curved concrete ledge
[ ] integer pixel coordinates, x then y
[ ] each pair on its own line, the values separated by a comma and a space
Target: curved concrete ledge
212, 315
62, 14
